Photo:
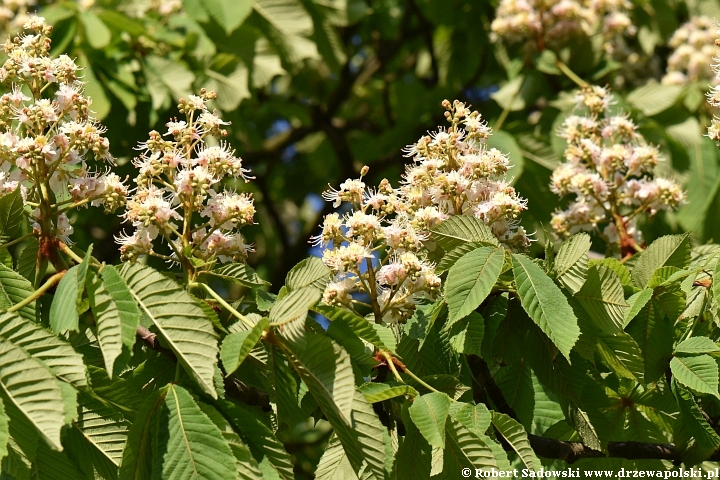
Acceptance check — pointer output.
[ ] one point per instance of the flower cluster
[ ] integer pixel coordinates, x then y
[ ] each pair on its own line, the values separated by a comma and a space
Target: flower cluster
48, 135
608, 168
714, 96
692, 45
554, 22
163, 8
177, 183
376, 248
13, 15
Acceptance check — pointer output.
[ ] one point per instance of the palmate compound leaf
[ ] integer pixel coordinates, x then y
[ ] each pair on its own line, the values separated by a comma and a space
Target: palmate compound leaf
181, 322
571, 262
236, 346
471, 279
603, 299
65, 308
116, 314
326, 370
14, 288
545, 304
429, 413
195, 446
667, 251
516, 436
33, 390
699, 373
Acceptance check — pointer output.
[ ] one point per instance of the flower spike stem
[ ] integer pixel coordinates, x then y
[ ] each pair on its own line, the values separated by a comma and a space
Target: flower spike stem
391, 364
227, 306
38, 293
17, 240
570, 74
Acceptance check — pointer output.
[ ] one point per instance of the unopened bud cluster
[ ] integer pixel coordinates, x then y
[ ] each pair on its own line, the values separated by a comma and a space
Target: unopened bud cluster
608, 170
179, 181
376, 248
693, 44
48, 134
554, 22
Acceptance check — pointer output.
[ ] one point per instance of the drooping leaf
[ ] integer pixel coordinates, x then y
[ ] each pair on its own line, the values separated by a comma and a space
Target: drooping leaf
236, 346
137, 455
413, 458
654, 98
195, 447
359, 325
429, 413
545, 304
667, 251
693, 418
379, 392
33, 390
637, 301
41, 344
180, 321
334, 464
516, 437
26, 264
571, 262
471, 279
623, 355
116, 314
603, 299
652, 332
465, 449
14, 289
699, 373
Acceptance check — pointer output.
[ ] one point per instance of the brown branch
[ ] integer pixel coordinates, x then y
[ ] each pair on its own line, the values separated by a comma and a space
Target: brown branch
569, 452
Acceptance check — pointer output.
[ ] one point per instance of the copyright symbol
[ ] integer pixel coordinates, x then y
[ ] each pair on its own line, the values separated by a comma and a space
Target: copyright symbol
466, 472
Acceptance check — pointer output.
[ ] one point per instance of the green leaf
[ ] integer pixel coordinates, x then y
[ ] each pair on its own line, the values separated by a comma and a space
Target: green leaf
516, 437
667, 251
652, 331
571, 262
11, 215
32, 388
545, 304
294, 306
603, 299
195, 446
236, 346
460, 229
42, 345
413, 459
229, 14
692, 417
379, 392
116, 314
580, 420
466, 336
476, 418
449, 259
142, 440
429, 413
623, 355
26, 264
97, 34
471, 279
359, 325
509, 96
695, 345
4, 431
465, 450
310, 272
181, 322
654, 98
506, 143
637, 302
334, 463
327, 372
287, 25
699, 373
63, 311
239, 273
14, 289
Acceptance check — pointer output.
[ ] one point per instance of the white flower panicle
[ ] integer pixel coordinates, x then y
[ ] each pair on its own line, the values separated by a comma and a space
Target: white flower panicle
48, 135
554, 22
376, 248
608, 170
692, 45
178, 196
713, 96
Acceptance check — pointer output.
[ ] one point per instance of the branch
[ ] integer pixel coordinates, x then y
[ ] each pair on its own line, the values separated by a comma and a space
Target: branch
569, 452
